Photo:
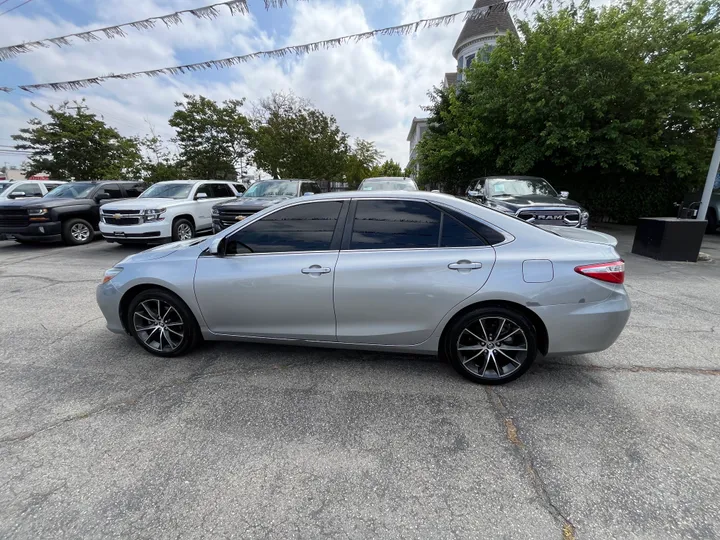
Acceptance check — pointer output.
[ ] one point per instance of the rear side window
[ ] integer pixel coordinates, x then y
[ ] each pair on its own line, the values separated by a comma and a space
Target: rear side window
455, 234
488, 234
304, 227
395, 225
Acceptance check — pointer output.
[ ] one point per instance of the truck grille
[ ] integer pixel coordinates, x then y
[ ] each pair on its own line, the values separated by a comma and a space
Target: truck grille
540, 216
122, 217
230, 217
14, 218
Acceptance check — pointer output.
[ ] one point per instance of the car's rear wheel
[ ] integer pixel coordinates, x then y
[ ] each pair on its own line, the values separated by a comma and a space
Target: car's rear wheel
492, 345
182, 229
162, 324
76, 232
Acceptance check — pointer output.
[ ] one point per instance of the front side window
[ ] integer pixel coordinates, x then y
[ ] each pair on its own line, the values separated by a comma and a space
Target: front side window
222, 190
206, 189
134, 191
395, 225
50, 187
240, 188
30, 190
167, 191
113, 191
304, 227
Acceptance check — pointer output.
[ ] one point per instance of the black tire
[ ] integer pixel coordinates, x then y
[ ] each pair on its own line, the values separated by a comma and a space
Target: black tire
77, 232
712, 220
489, 362
144, 307
179, 228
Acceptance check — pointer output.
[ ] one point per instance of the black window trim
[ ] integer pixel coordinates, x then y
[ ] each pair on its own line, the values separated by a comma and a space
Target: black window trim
345, 246
335, 241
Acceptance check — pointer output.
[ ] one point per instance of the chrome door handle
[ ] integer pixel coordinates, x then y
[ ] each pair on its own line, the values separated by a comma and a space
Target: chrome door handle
464, 265
316, 270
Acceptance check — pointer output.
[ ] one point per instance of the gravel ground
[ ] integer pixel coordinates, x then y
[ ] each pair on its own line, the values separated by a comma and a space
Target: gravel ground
99, 439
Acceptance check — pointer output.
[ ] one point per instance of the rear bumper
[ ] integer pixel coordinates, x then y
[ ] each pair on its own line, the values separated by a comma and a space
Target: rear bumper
47, 231
585, 328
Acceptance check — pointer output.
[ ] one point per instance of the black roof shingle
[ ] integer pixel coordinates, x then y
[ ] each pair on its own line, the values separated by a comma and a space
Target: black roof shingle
498, 21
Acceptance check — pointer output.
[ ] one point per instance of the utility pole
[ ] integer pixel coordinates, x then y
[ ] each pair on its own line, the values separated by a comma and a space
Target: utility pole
710, 180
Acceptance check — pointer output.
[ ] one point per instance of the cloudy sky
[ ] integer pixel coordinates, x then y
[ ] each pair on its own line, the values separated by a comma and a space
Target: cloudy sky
373, 89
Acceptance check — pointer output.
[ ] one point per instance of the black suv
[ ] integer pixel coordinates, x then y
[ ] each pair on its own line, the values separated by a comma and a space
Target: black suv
530, 198
258, 196
70, 213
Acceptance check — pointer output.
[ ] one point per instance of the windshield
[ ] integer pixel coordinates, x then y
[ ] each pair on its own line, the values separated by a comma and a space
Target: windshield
388, 184
497, 187
167, 191
73, 190
272, 188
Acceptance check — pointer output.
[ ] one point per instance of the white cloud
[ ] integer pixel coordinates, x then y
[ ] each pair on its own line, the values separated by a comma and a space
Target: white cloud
373, 92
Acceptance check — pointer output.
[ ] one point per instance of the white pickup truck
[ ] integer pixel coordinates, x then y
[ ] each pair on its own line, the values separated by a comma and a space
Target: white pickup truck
166, 211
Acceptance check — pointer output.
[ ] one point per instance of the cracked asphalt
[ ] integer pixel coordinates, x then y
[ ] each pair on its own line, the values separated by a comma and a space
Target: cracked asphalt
99, 439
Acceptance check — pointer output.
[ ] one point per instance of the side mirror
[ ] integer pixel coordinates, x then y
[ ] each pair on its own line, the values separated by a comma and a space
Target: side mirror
102, 196
564, 194
201, 196
473, 194
308, 193
16, 195
215, 247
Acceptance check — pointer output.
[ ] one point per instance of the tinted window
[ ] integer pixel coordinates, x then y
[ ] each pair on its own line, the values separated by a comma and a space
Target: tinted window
113, 190
490, 235
305, 227
455, 234
205, 188
239, 188
395, 224
222, 190
306, 187
134, 191
50, 187
315, 188
30, 190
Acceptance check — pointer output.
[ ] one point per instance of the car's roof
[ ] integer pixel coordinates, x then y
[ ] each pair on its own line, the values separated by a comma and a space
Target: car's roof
100, 182
192, 182
510, 177
422, 195
285, 180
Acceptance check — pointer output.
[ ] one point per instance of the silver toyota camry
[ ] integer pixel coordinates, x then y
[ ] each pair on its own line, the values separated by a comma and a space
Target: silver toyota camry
411, 272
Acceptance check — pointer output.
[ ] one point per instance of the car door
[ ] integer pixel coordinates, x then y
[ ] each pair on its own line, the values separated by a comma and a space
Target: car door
404, 265
104, 194
202, 209
275, 279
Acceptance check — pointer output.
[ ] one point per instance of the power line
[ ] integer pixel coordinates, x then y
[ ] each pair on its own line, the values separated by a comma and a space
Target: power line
297, 50
110, 32
14, 8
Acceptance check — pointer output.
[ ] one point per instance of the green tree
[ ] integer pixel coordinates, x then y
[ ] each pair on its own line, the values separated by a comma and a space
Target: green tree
617, 104
362, 160
388, 168
160, 164
75, 144
291, 139
212, 136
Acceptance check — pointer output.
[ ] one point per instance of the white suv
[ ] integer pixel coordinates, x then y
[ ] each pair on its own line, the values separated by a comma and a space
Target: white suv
173, 210
26, 189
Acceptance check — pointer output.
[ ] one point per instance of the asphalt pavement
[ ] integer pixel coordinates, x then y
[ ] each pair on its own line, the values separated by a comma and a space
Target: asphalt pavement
100, 439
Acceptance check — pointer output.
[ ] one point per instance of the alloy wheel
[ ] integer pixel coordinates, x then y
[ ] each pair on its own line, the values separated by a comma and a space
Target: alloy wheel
492, 347
159, 325
184, 232
80, 232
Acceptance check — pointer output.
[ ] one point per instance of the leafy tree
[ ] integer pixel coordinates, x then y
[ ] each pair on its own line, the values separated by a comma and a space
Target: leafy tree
616, 104
75, 144
291, 139
388, 168
213, 137
361, 162
160, 164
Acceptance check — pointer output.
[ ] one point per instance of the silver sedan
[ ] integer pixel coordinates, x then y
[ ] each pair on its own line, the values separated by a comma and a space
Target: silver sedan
410, 272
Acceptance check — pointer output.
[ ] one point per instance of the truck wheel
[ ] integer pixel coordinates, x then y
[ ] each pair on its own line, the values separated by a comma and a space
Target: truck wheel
76, 232
182, 229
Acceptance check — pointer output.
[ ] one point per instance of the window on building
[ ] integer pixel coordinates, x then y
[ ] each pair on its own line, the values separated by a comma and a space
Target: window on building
468, 59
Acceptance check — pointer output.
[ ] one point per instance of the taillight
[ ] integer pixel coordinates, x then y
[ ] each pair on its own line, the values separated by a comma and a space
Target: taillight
612, 272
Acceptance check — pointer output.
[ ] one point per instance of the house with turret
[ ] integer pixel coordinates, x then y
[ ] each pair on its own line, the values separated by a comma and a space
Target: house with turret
476, 41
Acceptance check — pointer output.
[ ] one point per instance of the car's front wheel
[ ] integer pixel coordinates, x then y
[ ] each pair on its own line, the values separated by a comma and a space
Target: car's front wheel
182, 229
76, 232
162, 324
492, 345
